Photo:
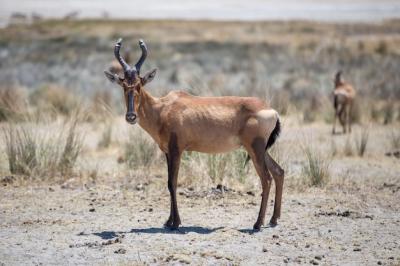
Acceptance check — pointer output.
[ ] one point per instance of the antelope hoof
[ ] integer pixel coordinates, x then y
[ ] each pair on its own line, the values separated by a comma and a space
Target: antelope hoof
273, 222
168, 224
175, 226
172, 226
257, 227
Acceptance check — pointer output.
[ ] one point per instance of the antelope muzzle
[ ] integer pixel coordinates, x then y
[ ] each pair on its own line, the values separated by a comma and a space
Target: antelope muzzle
131, 118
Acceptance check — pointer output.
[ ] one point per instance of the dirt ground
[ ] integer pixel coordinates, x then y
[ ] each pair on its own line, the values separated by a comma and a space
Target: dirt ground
354, 220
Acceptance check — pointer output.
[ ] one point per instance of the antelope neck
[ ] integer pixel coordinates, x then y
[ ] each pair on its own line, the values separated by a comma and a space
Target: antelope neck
148, 110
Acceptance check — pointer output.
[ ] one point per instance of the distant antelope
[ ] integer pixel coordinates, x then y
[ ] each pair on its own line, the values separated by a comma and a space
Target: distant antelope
343, 99
182, 122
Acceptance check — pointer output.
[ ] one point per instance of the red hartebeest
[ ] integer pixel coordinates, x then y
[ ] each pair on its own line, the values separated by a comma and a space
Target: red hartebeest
182, 122
343, 99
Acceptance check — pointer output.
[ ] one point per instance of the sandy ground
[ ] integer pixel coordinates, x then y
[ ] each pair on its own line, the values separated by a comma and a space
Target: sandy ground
51, 225
354, 220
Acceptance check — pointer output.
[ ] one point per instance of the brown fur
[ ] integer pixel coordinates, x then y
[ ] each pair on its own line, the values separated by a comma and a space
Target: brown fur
343, 97
181, 122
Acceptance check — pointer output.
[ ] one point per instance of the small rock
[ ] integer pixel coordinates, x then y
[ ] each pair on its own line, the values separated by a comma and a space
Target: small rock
139, 187
121, 159
251, 193
8, 179
285, 260
120, 251
379, 262
275, 236
391, 258
264, 250
307, 245
357, 249
150, 209
92, 210
313, 262
318, 257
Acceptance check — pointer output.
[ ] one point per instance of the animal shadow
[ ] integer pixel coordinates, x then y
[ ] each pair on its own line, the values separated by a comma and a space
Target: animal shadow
155, 230
180, 230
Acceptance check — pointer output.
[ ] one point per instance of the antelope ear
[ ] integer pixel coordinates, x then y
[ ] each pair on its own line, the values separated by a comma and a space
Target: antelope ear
113, 77
149, 76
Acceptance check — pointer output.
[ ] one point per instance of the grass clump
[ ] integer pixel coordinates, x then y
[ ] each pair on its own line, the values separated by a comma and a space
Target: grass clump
348, 148
394, 138
361, 141
53, 97
12, 104
139, 151
42, 153
316, 168
217, 165
106, 138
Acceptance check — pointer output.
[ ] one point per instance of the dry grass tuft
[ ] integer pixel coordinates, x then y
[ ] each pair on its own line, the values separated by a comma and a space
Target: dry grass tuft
54, 97
216, 167
356, 112
316, 168
12, 105
388, 113
42, 153
139, 151
394, 138
106, 137
361, 141
348, 148
334, 150
280, 102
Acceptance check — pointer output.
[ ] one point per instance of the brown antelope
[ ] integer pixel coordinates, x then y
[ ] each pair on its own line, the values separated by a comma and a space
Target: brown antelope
181, 122
343, 99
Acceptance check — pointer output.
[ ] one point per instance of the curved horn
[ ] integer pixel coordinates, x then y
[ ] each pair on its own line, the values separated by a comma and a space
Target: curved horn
143, 57
118, 45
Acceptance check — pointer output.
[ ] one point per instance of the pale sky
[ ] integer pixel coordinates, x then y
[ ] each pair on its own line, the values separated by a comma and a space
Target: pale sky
324, 10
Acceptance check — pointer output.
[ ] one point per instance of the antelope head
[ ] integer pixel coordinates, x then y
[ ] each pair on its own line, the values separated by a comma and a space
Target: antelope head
132, 83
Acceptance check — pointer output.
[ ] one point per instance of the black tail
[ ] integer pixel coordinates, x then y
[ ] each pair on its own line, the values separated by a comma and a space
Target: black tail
274, 135
335, 102
271, 140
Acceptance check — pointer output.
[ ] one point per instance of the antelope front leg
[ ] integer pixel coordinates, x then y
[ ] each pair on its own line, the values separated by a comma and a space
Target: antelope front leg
173, 161
168, 223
